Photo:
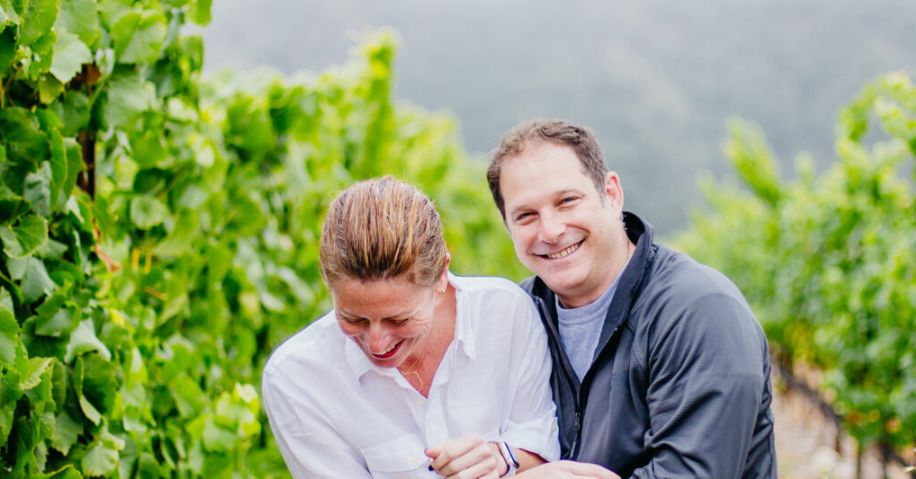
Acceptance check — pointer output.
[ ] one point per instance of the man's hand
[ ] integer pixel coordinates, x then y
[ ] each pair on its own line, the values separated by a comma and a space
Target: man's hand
468, 457
567, 470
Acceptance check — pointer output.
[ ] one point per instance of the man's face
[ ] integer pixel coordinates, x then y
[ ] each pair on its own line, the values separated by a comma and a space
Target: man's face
565, 231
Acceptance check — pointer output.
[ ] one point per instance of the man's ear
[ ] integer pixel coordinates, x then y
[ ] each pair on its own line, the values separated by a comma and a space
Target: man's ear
613, 192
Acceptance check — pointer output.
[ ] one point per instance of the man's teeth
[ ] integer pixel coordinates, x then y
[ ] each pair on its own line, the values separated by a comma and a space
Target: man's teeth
566, 252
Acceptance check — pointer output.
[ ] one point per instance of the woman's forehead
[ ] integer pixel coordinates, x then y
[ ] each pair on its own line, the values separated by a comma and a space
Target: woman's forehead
379, 298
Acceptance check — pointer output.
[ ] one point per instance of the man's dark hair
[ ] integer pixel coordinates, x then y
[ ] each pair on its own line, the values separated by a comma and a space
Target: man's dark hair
559, 132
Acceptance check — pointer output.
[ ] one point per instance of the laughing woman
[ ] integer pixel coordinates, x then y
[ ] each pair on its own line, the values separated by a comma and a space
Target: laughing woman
416, 373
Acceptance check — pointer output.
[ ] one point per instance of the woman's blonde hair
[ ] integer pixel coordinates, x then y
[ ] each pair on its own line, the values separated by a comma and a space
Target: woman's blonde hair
382, 228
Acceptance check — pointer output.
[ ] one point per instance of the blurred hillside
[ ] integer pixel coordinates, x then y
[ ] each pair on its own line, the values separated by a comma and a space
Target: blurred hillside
657, 79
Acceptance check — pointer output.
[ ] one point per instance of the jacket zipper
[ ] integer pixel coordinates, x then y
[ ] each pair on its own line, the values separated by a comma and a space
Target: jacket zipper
577, 425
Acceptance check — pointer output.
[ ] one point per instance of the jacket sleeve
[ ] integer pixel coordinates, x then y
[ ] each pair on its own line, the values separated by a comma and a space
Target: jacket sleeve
707, 368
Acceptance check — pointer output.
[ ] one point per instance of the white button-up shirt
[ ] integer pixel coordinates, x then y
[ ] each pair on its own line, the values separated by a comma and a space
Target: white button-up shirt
336, 415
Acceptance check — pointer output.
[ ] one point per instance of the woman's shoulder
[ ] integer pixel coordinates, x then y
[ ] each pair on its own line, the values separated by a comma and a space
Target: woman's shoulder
310, 347
490, 287
483, 298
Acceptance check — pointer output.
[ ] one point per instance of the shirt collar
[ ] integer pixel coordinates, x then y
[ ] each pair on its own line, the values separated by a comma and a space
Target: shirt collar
464, 339
465, 335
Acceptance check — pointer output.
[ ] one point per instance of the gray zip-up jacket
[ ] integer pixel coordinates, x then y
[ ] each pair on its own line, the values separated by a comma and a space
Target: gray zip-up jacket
680, 381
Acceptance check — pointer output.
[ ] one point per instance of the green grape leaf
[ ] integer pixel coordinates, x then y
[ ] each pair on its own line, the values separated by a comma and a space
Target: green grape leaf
100, 460
60, 381
25, 142
138, 35
79, 17
37, 367
10, 202
84, 340
11, 245
54, 324
6, 301
128, 96
188, 397
75, 166
24, 239
199, 11
216, 438
66, 432
35, 280
181, 239
70, 53
249, 125
89, 410
9, 335
8, 44
248, 218
86, 406
234, 411
73, 111
193, 47
37, 190
101, 381
49, 88
42, 53
7, 406
67, 472
38, 19
248, 394
147, 211
149, 148
10, 378
52, 250
58, 164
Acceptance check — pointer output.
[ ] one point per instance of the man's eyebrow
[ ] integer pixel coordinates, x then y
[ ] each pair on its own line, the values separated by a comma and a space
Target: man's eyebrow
518, 209
567, 191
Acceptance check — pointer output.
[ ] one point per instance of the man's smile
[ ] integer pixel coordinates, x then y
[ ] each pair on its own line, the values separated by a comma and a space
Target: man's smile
562, 253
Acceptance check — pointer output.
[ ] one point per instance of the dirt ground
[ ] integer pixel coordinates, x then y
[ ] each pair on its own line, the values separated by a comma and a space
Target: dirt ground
805, 445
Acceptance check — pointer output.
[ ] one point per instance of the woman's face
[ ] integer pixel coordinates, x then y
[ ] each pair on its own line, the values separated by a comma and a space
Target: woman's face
390, 319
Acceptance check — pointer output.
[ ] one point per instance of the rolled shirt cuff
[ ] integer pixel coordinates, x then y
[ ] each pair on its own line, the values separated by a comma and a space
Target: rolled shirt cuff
538, 437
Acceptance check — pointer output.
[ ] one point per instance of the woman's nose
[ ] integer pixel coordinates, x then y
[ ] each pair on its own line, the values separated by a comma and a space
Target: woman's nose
379, 339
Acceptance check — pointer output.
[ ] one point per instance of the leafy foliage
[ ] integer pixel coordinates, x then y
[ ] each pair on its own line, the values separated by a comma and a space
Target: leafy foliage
159, 231
827, 260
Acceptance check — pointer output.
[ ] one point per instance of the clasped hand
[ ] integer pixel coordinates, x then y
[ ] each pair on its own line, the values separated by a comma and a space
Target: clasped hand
470, 457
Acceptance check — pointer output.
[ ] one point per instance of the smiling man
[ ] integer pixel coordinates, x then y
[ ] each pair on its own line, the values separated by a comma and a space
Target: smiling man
660, 368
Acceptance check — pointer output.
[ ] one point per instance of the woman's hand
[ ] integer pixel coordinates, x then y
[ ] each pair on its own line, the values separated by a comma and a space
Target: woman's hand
468, 457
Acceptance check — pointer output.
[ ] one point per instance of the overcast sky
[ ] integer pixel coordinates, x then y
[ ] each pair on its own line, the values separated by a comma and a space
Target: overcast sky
656, 79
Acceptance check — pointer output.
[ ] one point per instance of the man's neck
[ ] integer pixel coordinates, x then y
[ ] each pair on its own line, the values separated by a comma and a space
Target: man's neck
584, 299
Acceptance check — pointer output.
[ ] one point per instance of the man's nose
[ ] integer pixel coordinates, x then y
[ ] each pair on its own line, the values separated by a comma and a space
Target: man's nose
552, 227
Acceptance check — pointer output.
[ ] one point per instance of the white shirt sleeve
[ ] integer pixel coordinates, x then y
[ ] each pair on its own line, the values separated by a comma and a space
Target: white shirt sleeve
309, 445
532, 424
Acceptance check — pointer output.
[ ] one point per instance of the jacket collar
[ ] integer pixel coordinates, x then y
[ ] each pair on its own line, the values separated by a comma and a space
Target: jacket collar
640, 233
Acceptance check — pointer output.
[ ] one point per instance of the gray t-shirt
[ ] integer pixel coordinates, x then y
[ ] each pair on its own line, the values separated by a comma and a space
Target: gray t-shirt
580, 329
